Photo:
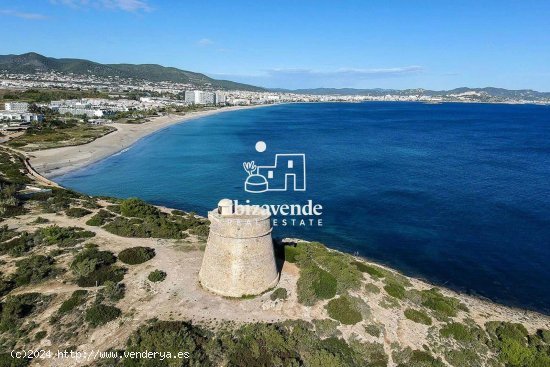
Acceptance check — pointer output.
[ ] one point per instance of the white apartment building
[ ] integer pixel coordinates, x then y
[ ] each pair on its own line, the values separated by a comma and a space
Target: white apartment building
219, 98
208, 98
77, 111
20, 116
17, 106
199, 97
193, 96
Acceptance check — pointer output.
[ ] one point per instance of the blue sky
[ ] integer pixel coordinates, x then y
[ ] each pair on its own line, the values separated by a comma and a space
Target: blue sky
300, 44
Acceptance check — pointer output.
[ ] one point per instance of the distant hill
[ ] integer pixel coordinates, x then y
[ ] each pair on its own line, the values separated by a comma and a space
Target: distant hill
527, 94
32, 62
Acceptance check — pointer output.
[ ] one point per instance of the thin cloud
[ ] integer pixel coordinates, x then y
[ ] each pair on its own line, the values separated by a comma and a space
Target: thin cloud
127, 5
350, 72
205, 42
22, 15
131, 6
310, 78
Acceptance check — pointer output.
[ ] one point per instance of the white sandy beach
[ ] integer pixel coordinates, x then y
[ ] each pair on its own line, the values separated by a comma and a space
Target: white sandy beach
58, 161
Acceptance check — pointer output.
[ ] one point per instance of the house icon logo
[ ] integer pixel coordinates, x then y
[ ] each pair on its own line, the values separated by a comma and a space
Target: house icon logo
287, 173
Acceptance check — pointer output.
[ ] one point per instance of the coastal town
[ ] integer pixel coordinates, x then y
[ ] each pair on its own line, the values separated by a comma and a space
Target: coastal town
121, 97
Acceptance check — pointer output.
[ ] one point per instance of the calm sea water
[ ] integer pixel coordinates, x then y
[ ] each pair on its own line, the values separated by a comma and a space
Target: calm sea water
457, 194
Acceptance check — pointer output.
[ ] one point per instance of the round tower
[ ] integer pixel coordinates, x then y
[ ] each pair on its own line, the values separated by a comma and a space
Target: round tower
239, 258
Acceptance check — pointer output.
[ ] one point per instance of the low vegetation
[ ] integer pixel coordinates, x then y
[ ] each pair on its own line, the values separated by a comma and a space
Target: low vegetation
315, 284
57, 133
395, 290
418, 316
101, 314
344, 310
64, 236
156, 276
279, 294
93, 268
139, 219
374, 271
293, 343
77, 212
323, 273
112, 291
18, 246
442, 305
77, 298
6, 285
516, 347
100, 218
34, 269
136, 255
15, 309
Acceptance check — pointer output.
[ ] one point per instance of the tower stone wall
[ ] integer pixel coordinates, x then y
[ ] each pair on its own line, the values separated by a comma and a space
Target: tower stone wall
239, 258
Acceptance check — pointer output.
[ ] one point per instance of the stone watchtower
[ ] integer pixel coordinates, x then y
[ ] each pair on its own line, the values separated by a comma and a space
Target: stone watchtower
239, 258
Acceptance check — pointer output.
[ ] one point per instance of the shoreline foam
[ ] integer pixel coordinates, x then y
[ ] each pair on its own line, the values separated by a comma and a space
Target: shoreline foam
55, 162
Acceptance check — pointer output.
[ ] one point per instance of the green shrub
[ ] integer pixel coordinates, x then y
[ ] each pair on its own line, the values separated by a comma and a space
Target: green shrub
18, 246
135, 207
514, 345
374, 330
40, 335
344, 310
290, 253
40, 220
460, 332
420, 358
544, 335
173, 337
156, 276
77, 212
315, 284
389, 302
160, 227
200, 231
279, 293
115, 208
372, 288
464, 357
98, 315
77, 298
34, 269
445, 306
395, 290
90, 204
136, 255
374, 271
16, 308
339, 265
418, 316
293, 343
326, 328
112, 291
64, 236
6, 285
100, 218
101, 275
60, 199
6, 233
91, 259
94, 268
6, 360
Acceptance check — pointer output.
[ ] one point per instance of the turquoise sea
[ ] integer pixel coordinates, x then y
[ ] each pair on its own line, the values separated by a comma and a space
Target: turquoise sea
458, 194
